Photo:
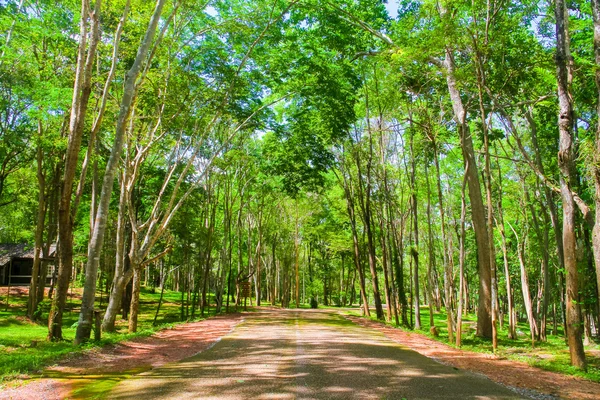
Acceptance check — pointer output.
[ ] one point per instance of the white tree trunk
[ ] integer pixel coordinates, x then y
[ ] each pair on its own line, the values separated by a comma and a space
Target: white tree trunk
97, 236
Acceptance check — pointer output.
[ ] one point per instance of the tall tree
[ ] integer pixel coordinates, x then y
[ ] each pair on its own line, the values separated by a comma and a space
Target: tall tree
89, 26
566, 164
84, 326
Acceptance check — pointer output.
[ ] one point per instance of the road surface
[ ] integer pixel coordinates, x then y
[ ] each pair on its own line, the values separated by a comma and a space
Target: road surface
308, 354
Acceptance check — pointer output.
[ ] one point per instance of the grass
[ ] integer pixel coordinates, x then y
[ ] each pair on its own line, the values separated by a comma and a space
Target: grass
552, 355
94, 386
23, 346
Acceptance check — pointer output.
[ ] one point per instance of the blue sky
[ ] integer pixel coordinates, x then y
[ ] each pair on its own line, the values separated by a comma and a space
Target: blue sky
392, 8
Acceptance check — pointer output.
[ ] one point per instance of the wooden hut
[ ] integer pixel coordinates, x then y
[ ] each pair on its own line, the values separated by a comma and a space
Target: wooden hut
16, 264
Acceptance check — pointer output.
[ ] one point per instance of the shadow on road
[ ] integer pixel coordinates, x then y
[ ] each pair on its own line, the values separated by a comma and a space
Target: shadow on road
308, 354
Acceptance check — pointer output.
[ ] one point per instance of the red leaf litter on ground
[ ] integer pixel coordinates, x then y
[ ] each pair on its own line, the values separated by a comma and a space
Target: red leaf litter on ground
507, 372
144, 353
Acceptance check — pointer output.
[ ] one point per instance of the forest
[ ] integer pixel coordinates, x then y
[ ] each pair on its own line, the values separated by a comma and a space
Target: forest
305, 153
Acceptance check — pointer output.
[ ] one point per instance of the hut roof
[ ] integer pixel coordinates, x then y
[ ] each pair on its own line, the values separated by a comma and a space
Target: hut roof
18, 250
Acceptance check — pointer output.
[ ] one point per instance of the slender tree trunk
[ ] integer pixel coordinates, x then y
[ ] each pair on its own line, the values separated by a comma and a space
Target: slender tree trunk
274, 272
81, 95
385, 252
134, 307
384, 264
366, 208
207, 269
551, 212
566, 166
297, 261
447, 247
398, 236
596, 164
163, 278
239, 256
208, 260
97, 236
461, 263
544, 276
219, 284
489, 202
484, 311
372, 256
512, 323
431, 267
38, 279
121, 277
415, 249
229, 208
52, 230
356, 247
525, 287
387, 232
258, 274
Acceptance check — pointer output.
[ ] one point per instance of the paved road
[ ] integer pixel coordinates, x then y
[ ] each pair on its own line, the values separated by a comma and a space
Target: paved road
307, 355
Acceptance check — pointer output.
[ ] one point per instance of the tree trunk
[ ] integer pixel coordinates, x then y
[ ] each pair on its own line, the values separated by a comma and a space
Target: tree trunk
79, 105
447, 246
297, 261
384, 264
415, 248
97, 236
550, 212
356, 247
398, 245
120, 278
372, 255
366, 208
566, 166
596, 164
525, 287
163, 278
229, 240
52, 231
134, 308
431, 267
461, 263
488, 195
484, 312
274, 272
543, 244
210, 225
120, 283
512, 320
257, 275
38, 279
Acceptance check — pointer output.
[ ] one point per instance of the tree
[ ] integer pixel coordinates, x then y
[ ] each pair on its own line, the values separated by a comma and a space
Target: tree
566, 164
97, 236
90, 19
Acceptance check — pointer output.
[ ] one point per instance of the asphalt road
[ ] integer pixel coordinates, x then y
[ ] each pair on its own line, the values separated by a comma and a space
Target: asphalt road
307, 355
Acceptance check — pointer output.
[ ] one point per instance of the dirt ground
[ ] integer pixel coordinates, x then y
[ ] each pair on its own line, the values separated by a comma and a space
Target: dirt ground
507, 372
308, 354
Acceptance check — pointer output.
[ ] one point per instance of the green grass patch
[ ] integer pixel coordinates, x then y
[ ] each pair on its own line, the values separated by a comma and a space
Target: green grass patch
25, 350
